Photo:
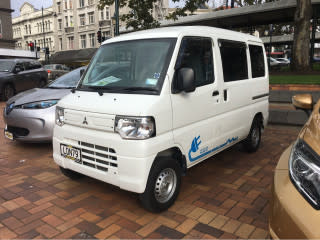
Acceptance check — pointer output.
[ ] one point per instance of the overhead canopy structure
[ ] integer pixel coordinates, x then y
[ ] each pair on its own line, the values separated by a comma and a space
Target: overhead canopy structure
79, 57
262, 14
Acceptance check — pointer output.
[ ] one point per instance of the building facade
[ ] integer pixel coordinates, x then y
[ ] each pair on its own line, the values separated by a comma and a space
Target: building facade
34, 26
78, 22
6, 38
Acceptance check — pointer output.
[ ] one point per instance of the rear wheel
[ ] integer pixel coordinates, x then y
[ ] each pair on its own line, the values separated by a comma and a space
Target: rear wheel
163, 185
42, 83
70, 174
7, 92
252, 142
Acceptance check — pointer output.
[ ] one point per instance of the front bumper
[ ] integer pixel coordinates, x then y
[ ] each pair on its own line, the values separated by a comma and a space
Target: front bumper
130, 168
291, 216
38, 123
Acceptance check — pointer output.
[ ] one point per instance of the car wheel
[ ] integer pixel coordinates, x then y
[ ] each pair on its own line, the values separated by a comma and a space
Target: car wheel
163, 185
252, 142
42, 83
70, 174
7, 92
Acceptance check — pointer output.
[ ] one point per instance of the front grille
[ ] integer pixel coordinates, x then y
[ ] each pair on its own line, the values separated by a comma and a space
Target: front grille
17, 131
98, 157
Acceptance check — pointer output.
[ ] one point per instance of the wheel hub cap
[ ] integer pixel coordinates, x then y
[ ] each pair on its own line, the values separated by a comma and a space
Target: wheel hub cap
165, 185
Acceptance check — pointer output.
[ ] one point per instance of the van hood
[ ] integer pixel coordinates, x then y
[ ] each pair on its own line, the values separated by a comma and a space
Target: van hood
5, 74
38, 94
110, 103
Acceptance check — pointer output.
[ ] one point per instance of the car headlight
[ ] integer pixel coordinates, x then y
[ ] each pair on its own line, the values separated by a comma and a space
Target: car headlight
59, 116
135, 127
38, 105
304, 168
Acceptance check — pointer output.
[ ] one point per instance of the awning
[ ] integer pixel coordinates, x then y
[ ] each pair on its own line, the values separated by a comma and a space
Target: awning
73, 56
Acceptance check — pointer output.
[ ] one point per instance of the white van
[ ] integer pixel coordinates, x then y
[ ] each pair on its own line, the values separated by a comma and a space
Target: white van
154, 103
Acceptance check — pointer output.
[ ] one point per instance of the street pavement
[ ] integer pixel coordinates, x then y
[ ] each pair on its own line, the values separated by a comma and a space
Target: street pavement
225, 196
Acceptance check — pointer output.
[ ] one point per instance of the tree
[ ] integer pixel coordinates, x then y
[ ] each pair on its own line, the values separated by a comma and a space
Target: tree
301, 41
141, 16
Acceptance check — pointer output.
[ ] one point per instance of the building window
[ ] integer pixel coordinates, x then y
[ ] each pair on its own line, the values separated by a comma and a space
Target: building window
91, 17
70, 4
106, 34
92, 40
101, 15
107, 14
59, 24
83, 41
60, 43
29, 29
81, 3
26, 29
70, 42
59, 7
90, 2
66, 21
71, 21
82, 19
66, 4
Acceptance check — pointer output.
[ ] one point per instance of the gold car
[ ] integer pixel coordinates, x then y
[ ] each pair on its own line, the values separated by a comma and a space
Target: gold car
295, 204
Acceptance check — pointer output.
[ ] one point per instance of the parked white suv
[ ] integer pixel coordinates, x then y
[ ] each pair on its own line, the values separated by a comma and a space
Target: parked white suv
154, 103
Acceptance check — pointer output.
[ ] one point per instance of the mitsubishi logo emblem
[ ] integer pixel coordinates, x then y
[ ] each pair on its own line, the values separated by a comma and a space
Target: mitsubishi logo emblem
85, 121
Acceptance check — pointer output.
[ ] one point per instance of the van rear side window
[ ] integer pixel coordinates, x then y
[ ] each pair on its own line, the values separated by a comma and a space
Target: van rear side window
257, 61
234, 60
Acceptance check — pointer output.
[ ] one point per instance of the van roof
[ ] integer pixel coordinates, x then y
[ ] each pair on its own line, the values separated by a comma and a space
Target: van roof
174, 32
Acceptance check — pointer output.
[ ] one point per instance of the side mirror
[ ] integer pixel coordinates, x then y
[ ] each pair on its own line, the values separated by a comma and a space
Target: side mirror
17, 70
186, 80
304, 102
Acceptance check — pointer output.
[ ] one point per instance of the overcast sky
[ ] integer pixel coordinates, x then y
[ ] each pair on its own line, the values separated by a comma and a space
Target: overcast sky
16, 4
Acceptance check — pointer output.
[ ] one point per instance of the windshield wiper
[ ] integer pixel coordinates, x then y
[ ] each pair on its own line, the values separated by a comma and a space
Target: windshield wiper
140, 89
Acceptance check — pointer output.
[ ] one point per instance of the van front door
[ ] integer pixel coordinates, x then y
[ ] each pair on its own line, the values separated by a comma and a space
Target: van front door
194, 121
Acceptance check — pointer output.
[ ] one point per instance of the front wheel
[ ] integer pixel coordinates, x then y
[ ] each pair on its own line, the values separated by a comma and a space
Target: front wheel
252, 142
163, 185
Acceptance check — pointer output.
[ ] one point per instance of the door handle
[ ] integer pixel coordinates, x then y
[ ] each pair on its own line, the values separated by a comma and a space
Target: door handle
215, 93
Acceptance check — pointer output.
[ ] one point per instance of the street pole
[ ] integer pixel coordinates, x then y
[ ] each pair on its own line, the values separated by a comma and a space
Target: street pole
270, 47
116, 3
44, 38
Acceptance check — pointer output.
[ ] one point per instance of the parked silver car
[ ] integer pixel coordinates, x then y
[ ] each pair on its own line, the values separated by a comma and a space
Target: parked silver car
29, 116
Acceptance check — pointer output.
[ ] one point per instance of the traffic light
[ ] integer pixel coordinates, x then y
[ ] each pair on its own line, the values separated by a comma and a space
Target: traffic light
99, 37
31, 45
47, 51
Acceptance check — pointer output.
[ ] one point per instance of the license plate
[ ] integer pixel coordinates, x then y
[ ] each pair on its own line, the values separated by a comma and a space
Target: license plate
70, 152
8, 135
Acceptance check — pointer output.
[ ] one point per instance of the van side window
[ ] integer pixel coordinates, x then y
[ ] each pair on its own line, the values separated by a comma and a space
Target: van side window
234, 60
257, 61
196, 53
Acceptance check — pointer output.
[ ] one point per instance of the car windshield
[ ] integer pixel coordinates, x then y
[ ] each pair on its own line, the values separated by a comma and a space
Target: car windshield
47, 67
69, 80
6, 66
129, 66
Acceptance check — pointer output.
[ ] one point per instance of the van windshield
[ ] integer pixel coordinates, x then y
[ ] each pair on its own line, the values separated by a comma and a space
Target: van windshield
129, 67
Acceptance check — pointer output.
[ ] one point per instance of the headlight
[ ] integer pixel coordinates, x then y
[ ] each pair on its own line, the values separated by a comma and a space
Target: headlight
38, 105
135, 127
304, 168
59, 116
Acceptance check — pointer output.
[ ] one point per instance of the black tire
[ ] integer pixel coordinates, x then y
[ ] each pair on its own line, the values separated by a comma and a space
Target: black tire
161, 172
70, 174
252, 142
42, 83
8, 91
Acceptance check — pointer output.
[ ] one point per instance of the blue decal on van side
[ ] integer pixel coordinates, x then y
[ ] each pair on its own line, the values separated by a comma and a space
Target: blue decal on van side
203, 152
